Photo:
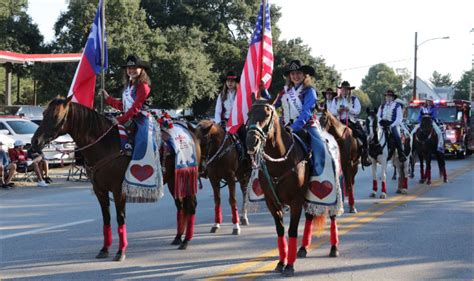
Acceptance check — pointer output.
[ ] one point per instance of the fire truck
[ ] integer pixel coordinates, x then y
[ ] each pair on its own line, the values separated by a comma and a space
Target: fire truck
455, 116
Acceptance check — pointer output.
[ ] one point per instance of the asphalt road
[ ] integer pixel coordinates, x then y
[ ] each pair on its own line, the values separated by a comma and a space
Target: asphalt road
55, 233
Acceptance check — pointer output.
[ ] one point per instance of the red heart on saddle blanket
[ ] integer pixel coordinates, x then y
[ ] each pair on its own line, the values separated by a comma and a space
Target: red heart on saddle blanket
141, 172
321, 190
257, 189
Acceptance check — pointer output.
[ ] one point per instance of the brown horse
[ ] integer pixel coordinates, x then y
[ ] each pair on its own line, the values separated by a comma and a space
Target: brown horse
284, 177
425, 143
98, 139
348, 147
221, 161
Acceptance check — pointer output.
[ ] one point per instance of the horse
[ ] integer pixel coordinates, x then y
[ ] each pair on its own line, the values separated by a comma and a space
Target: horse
381, 149
221, 162
284, 177
425, 143
98, 140
348, 147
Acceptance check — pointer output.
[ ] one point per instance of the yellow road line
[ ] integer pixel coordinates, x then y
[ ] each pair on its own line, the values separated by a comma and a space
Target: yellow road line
359, 219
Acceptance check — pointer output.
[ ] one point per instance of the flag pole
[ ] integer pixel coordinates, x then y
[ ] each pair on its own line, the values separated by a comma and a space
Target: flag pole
102, 50
264, 16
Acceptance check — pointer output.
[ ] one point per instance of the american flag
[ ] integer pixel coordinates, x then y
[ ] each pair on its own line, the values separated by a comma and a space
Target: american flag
258, 65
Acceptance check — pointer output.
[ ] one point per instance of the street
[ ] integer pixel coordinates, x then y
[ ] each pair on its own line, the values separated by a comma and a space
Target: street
55, 233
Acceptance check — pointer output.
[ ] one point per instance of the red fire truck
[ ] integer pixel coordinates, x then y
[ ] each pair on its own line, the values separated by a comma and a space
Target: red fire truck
456, 118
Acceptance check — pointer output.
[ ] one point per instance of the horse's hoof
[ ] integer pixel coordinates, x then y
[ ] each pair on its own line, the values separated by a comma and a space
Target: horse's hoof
302, 253
372, 195
236, 231
421, 181
119, 256
334, 253
399, 191
445, 180
403, 191
383, 195
104, 253
244, 221
279, 268
428, 182
177, 240
412, 176
394, 178
214, 229
353, 210
184, 245
289, 271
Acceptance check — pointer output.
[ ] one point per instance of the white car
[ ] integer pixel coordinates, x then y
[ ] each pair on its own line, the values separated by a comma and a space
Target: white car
23, 129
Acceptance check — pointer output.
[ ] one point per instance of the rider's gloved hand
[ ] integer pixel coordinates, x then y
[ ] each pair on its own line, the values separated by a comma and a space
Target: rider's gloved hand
385, 123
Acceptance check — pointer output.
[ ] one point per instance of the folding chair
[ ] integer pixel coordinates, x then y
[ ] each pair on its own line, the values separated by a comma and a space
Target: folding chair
77, 169
25, 174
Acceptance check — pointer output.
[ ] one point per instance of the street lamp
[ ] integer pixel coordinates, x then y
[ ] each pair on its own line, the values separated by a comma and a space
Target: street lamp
416, 51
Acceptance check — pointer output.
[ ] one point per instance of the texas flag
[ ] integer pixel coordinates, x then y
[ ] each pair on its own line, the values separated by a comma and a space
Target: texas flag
83, 85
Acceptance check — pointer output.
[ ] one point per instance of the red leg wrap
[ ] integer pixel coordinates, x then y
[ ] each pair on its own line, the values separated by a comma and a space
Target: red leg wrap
292, 244
122, 231
235, 214
405, 183
307, 234
282, 248
334, 234
190, 227
374, 185
218, 214
180, 222
107, 235
422, 173
351, 198
384, 187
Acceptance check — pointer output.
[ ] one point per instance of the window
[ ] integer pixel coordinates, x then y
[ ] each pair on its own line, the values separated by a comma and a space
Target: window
23, 127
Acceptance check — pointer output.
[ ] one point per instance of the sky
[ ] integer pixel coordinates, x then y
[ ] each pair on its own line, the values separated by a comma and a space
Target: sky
354, 35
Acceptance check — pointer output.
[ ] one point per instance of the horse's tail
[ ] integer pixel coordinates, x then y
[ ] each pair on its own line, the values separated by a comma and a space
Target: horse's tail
318, 224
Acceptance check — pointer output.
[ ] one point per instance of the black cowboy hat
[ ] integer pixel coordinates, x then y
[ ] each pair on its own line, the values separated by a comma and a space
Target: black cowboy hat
295, 65
391, 93
231, 75
329, 91
345, 85
135, 61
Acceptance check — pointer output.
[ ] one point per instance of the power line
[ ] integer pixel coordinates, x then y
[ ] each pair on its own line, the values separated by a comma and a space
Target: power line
367, 66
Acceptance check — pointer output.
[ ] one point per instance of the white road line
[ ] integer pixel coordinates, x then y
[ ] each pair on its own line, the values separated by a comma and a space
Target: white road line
34, 231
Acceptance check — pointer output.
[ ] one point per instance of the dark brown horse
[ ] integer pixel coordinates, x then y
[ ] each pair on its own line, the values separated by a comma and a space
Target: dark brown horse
221, 161
284, 177
98, 139
348, 147
425, 143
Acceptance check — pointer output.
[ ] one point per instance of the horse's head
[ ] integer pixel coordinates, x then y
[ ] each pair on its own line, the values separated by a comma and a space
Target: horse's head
324, 120
204, 131
54, 122
261, 122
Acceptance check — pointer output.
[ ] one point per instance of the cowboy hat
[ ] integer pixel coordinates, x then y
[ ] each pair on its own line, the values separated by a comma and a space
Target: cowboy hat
297, 65
345, 85
231, 75
329, 91
135, 61
390, 93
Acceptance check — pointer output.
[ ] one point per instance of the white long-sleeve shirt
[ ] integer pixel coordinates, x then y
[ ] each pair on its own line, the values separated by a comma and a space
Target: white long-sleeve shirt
391, 111
225, 106
351, 102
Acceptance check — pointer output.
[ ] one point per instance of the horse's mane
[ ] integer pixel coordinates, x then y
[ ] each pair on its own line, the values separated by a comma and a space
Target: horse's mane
84, 118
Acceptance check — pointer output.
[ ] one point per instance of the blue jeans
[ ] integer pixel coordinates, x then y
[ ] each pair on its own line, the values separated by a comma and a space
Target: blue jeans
319, 153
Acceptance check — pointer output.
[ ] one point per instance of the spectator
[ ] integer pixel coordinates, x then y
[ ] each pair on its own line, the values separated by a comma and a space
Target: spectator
38, 157
19, 157
7, 169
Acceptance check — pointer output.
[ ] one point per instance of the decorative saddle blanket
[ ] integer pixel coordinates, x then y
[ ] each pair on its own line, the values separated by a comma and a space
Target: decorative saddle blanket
186, 165
143, 179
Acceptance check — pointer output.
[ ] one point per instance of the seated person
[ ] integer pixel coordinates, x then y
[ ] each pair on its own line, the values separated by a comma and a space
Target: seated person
38, 157
7, 169
19, 157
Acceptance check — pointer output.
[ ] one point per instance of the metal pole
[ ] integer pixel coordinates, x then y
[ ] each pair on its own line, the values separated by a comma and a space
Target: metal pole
414, 71
102, 73
8, 83
264, 15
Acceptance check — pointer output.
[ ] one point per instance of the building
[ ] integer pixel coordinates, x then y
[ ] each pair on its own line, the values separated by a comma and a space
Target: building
427, 90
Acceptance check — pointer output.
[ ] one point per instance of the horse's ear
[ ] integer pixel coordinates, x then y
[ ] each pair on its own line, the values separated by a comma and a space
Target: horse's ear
253, 98
367, 110
69, 99
273, 99
205, 127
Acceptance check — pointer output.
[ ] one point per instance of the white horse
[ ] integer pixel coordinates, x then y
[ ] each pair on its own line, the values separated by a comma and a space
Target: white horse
380, 150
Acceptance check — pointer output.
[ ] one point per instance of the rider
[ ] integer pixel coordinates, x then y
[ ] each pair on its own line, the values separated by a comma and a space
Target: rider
430, 110
224, 104
347, 107
390, 114
328, 95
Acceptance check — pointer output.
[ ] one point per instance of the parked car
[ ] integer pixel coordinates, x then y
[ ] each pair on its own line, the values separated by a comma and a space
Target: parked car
32, 112
23, 129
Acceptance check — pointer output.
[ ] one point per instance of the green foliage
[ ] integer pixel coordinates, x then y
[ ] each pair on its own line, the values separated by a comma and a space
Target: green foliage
440, 80
364, 99
463, 85
378, 80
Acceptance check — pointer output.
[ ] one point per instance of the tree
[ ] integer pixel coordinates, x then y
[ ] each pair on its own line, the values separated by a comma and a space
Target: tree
364, 99
378, 80
463, 85
439, 80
